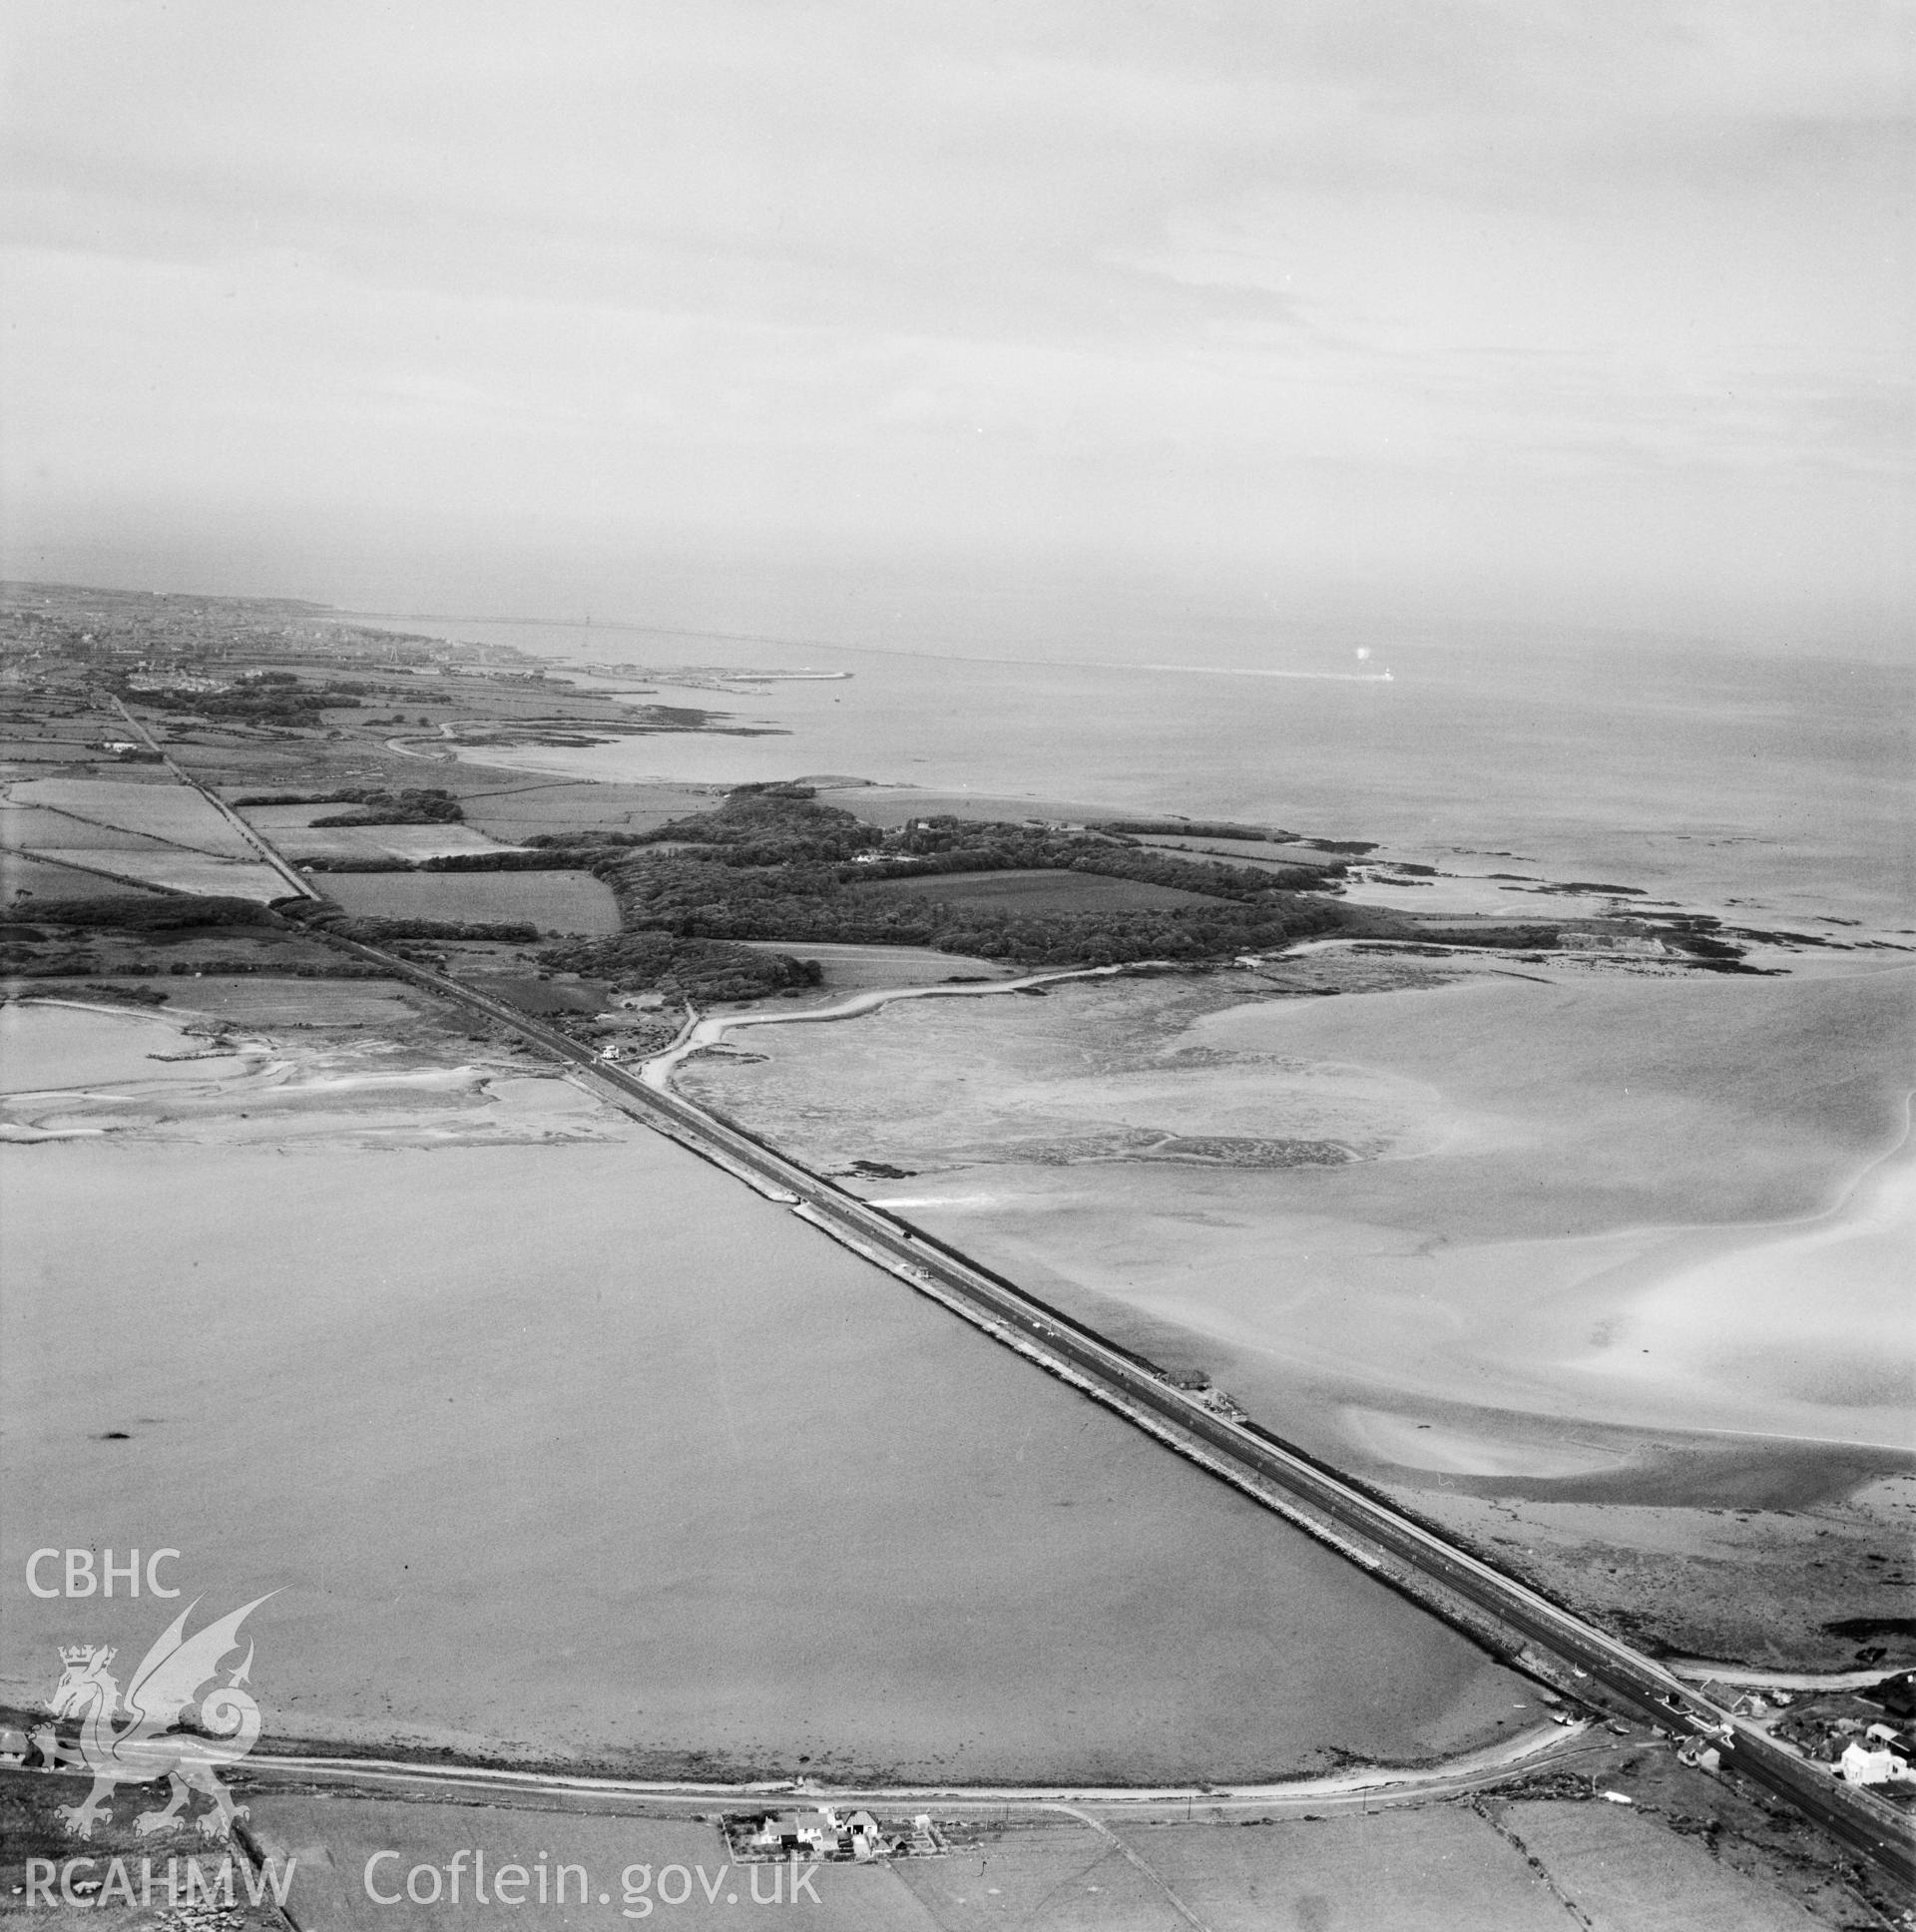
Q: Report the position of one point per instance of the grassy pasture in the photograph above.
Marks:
(382, 841)
(1240, 852)
(552, 901)
(1037, 892)
(275, 819)
(153, 834)
(45, 883)
(191, 872)
(140, 805)
(34, 747)
(568, 805)
(32, 828)
(862, 969)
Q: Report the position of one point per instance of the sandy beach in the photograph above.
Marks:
(1500, 1194)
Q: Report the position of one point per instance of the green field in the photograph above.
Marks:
(27, 879)
(139, 831)
(552, 901)
(861, 969)
(1037, 892)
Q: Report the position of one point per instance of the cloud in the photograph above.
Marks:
(1208, 287)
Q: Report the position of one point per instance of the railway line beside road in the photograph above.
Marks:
(1543, 1637)
(1510, 1617)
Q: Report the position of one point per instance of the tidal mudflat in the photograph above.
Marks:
(1580, 1240)
(558, 1443)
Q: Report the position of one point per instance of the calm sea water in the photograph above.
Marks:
(1753, 785)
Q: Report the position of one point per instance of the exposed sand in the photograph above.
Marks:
(1738, 1314)
(1462, 1452)
(52, 1048)
(1602, 1198)
(1736, 1581)
(73, 1069)
(300, 1005)
(572, 1448)
(1498, 1238)
(1461, 895)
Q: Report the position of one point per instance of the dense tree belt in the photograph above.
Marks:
(425, 806)
(772, 863)
(681, 966)
(421, 805)
(141, 912)
(274, 697)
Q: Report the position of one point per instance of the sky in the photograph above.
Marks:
(831, 313)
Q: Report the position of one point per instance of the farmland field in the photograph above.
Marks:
(1442, 1865)
(1239, 852)
(223, 878)
(552, 901)
(161, 806)
(45, 751)
(1037, 892)
(31, 827)
(278, 818)
(567, 805)
(47, 880)
(860, 969)
(383, 842)
(152, 834)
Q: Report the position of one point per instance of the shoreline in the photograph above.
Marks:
(1632, 1272)
(657, 1072)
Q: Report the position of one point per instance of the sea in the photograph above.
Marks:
(1756, 785)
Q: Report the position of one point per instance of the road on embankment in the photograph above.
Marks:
(1539, 1753)
(1505, 1615)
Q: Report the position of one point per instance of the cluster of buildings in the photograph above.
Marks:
(174, 639)
(175, 681)
(826, 1833)
(1879, 1756)
(1865, 1737)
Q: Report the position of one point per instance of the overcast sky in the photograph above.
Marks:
(1572, 309)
